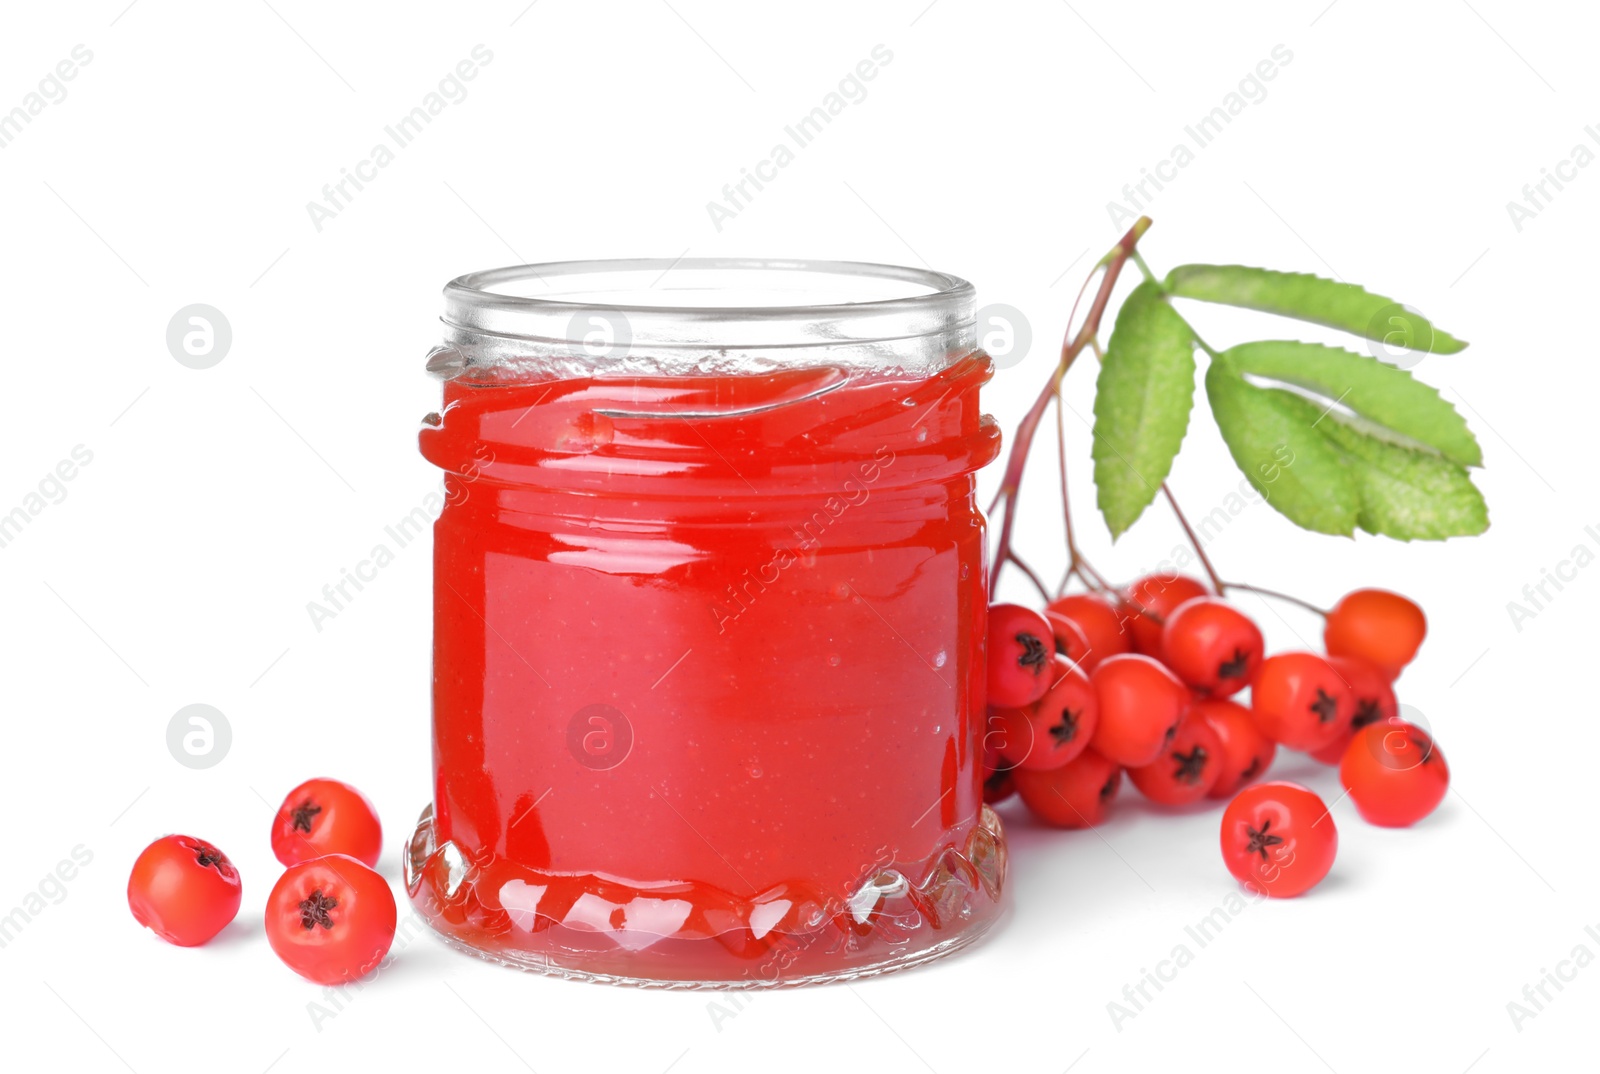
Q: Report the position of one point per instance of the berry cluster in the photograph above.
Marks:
(330, 917)
(1146, 680)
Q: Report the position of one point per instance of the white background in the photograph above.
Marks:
(178, 567)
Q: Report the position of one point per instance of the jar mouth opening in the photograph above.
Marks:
(712, 288)
(732, 314)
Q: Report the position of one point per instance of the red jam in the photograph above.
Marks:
(708, 688)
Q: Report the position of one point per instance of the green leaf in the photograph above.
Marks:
(1381, 393)
(1405, 493)
(1312, 298)
(1273, 438)
(1141, 405)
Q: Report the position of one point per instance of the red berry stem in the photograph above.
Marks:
(1217, 584)
(1031, 575)
(1188, 531)
(1071, 347)
(1077, 564)
(1275, 594)
(1194, 541)
(1087, 336)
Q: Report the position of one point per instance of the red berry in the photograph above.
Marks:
(1141, 703)
(1186, 769)
(1020, 648)
(998, 786)
(325, 816)
(1373, 701)
(1010, 736)
(1071, 641)
(1395, 773)
(184, 890)
(1278, 839)
(997, 782)
(1069, 712)
(1212, 646)
(331, 919)
(1246, 752)
(1378, 626)
(1101, 623)
(1053, 730)
(1299, 700)
(1001, 740)
(1149, 601)
(1076, 795)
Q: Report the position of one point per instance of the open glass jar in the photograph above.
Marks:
(709, 619)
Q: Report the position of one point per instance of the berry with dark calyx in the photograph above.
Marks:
(1395, 773)
(1141, 703)
(1147, 603)
(1373, 701)
(326, 816)
(331, 919)
(1076, 795)
(1212, 646)
(1300, 700)
(1186, 770)
(184, 890)
(1375, 625)
(1010, 735)
(1021, 651)
(996, 771)
(1278, 839)
(1071, 641)
(1051, 731)
(1063, 720)
(1100, 619)
(998, 786)
(1246, 752)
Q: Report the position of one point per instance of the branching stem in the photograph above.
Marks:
(1109, 268)
(1276, 595)
(1072, 345)
(1194, 541)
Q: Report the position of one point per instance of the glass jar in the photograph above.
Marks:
(709, 622)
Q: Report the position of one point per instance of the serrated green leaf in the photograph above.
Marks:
(1381, 393)
(1405, 493)
(1311, 298)
(1141, 405)
(1273, 438)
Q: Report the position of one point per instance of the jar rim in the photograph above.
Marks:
(476, 290)
(869, 314)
